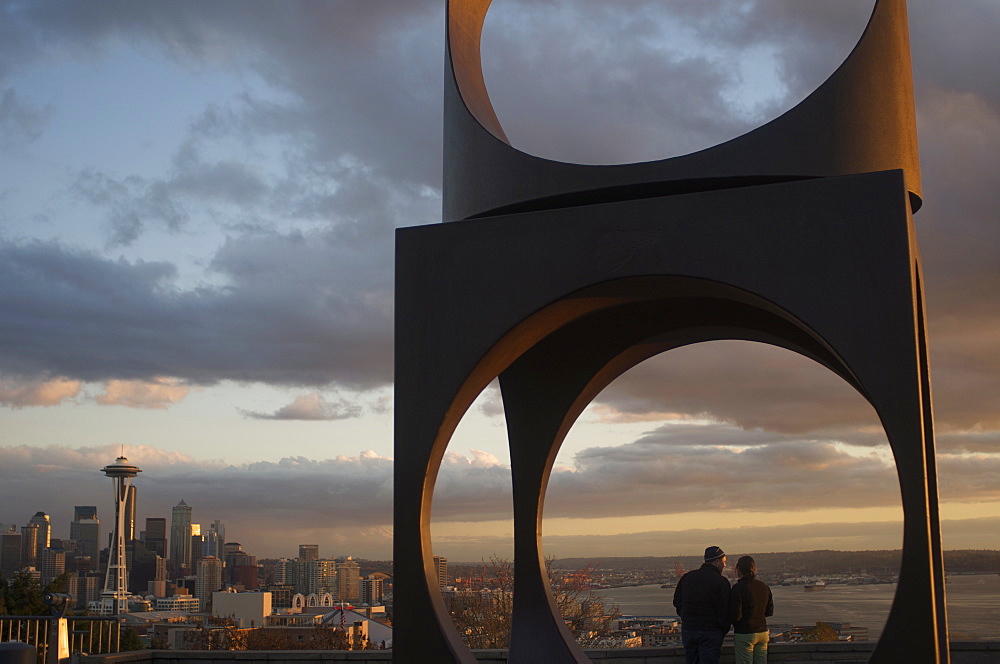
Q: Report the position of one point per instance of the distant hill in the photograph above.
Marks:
(799, 562)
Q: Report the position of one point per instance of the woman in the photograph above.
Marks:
(751, 603)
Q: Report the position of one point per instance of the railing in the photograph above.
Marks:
(837, 652)
(84, 634)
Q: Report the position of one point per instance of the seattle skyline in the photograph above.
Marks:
(196, 216)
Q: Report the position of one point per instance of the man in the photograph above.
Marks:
(702, 602)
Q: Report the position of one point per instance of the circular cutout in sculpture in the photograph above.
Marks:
(737, 444)
(585, 81)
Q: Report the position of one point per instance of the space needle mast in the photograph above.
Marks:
(114, 597)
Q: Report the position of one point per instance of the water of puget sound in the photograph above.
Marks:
(973, 605)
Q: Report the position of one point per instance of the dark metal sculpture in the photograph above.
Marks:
(559, 277)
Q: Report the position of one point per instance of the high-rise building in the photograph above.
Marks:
(372, 590)
(180, 537)
(130, 507)
(114, 597)
(215, 540)
(156, 535)
(322, 575)
(308, 552)
(209, 580)
(52, 564)
(241, 567)
(29, 545)
(348, 580)
(441, 564)
(10, 553)
(85, 589)
(85, 530)
(197, 545)
(245, 573)
(41, 519)
(281, 574)
(297, 575)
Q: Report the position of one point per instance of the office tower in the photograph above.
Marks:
(41, 519)
(348, 578)
(297, 575)
(241, 567)
(372, 590)
(10, 553)
(52, 564)
(197, 546)
(29, 545)
(322, 576)
(215, 540)
(130, 499)
(209, 580)
(85, 589)
(244, 573)
(308, 552)
(80, 565)
(114, 597)
(281, 574)
(156, 535)
(180, 537)
(441, 564)
(156, 588)
(144, 566)
(85, 530)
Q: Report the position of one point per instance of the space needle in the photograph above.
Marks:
(114, 597)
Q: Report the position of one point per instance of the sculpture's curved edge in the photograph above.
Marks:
(861, 119)
(547, 389)
(463, 61)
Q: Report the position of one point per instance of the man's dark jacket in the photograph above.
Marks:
(702, 599)
(751, 603)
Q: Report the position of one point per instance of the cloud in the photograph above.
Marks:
(160, 393)
(38, 392)
(20, 122)
(750, 385)
(280, 322)
(599, 82)
(311, 407)
(346, 501)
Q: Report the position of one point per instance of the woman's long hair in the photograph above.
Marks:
(746, 566)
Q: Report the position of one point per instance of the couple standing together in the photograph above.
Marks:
(708, 605)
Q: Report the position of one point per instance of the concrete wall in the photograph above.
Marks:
(962, 652)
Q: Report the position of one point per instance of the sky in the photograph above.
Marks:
(197, 206)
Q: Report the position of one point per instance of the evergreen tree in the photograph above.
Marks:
(22, 595)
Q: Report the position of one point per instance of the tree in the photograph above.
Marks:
(586, 613)
(223, 634)
(821, 632)
(129, 640)
(483, 615)
(22, 595)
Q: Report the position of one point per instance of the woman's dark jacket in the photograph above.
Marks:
(750, 602)
(702, 599)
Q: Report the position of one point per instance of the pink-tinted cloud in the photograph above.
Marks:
(19, 394)
(159, 393)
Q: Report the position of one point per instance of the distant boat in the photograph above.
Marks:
(819, 585)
